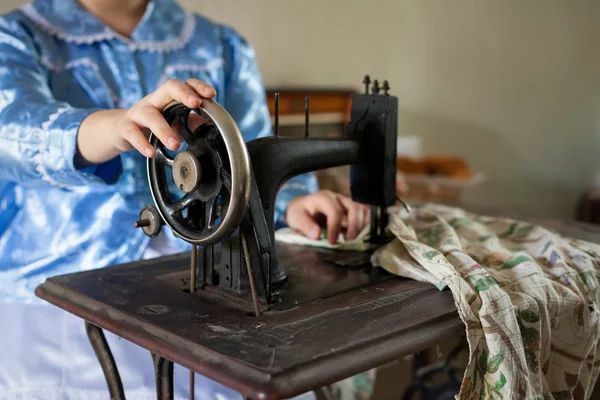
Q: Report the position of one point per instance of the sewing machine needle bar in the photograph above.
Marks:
(250, 274)
(383, 221)
(276, 114)
(193, 265)
(306, 115)
(374, 225)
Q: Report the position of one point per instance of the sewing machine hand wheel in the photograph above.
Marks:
(214, 165)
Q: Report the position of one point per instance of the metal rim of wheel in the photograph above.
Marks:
(212, 177)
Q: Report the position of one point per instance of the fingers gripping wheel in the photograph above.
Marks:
(211, 174)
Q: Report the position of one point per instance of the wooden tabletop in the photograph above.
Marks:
(345, 320)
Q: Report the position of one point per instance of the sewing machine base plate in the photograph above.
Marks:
(333, 322)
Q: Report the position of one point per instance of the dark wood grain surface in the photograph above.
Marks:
(276, 355)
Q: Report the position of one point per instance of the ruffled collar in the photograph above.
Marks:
(165, 26)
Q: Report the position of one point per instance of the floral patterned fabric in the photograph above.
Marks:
(527, 295)
(358, 387)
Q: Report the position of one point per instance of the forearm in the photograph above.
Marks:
(97, 138)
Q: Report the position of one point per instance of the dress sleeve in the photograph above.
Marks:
(245, 99)
(38, 133)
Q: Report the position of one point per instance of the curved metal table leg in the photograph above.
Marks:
(163, 370)
(107, 362)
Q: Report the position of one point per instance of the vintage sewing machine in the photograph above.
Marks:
(266, 319)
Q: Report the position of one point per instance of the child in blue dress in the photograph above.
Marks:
(79, 83)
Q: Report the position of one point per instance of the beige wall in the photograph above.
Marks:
(512, 86)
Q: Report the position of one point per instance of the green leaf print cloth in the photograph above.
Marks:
(528, 298)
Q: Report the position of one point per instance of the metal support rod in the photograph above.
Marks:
(163, 372)
(192, 385)
(250, 274)
(277, 114)
(193, 267)
(141, 223)
(107, 362)
(306, 115)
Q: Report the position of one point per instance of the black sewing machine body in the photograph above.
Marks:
(370, 147)
(268, 319)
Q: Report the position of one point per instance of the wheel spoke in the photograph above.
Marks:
(209, 213)
(219, 209)
(188, 136)
(226, 179)
(182, 203)
(224, 205)
(212, 135)
(163, 157)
